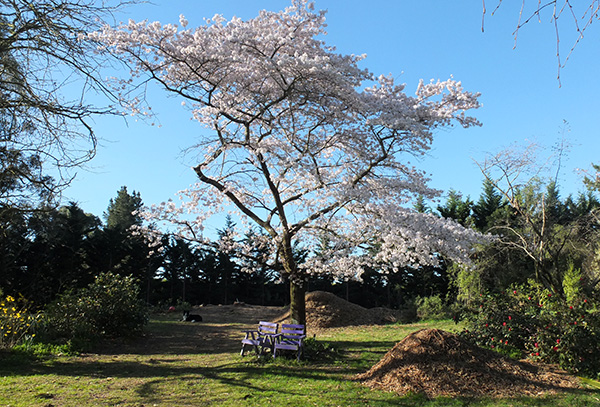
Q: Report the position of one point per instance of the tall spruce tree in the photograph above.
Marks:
(120, 214)
(593, 181)
(554, 206)
(126, 252)
(228, 269)
(14, 241)
(489, 202)
(178, 268)
(421, 206)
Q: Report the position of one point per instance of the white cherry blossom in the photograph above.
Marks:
(302, 142)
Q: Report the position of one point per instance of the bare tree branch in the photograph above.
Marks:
(43, 51)
(586, 17)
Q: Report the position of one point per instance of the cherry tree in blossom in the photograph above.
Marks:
(300, 140)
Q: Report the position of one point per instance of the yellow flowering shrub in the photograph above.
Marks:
(15, 321)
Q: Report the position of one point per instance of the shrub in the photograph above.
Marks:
(16, 322)
(107, 308)
(532, 321)
(318, 351)
(466, 282)
(432, 308)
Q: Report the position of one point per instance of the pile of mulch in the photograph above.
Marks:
(326, 310)
(438, 363)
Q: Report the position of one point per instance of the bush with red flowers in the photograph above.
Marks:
(534, 322)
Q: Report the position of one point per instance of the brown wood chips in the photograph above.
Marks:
(439, 363)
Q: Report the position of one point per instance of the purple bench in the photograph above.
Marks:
(263, 337)
(291, 338)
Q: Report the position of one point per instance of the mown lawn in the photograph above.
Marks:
(149, 375)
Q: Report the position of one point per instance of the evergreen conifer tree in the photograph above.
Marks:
(120, 214)
(489, 202)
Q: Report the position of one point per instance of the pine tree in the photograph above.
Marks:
(126, 252)
(420, 206)
(489, 202)
(555, 210)
(227, 267)
(62, 254)
(121, 213)
(593, 181)
(455, 208)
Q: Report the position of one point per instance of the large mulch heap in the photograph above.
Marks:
(326, 310)
(438, 363)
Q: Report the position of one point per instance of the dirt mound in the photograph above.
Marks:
(439, 363)
(326, 310)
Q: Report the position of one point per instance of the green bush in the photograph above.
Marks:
(534, 322)
(107, 308)
(432, 308)
(318, 351)
(466, 282)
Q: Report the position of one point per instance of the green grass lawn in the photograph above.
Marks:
(150, 375)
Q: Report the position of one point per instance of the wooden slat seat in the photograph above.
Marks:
(290, 338)
(261, 338)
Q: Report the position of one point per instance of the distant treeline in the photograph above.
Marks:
(53, 250)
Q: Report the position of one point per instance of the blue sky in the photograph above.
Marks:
(428, 39)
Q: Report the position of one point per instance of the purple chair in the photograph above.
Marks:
(263, 337)
(291, 338)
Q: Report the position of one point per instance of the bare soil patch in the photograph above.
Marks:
(438, 363)
(220, 331)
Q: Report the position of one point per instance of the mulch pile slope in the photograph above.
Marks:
(326, 310)
(438, 363)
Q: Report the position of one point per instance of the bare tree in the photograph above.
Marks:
(45, 56)
(581, 14)
(538, 229)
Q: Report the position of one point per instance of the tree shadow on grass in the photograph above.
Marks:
(203, 356)
(179, 338)
(154, 375)
(248, 378)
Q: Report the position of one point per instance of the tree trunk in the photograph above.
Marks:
(297, 284)
(297, 302)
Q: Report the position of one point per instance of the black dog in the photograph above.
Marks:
(187, 317)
